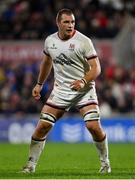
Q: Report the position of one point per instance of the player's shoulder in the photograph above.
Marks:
(51, 37)
(81, 36)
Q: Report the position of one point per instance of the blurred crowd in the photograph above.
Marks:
(16, 83)
(35, 19)
(115, 88)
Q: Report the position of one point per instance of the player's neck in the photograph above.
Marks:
(64, 37)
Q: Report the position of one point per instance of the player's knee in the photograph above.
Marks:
(90, 126)
(42, 129)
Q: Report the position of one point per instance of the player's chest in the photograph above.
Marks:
(58, 48)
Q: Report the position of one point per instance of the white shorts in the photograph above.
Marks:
(66, 101)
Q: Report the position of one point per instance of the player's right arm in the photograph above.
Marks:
(45, 68)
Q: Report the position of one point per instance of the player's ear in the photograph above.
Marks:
(57, 23)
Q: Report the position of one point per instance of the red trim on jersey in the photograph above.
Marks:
(55, 106)
(73, 33)
(66, 39)
(91, 57)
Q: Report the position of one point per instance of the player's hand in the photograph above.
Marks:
(77, 85)
(36, 91)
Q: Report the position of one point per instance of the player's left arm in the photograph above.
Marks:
(94, 71)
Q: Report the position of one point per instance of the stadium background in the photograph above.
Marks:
(23, 28)
(24, 24)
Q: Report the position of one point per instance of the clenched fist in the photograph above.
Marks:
(36, 91)
(78, 84)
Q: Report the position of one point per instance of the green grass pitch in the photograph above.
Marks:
(68, 161)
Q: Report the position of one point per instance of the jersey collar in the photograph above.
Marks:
(66, 39)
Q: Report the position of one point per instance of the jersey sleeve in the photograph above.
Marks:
(45, 50)
(89, 50)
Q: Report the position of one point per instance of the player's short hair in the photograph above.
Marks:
(63, 11)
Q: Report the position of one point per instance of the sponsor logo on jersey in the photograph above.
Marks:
(63, 59)
(53, 46)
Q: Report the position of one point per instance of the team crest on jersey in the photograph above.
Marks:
(71, 47)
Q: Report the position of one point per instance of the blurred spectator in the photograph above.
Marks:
(21, 19)
(115, 88)
(16, 82)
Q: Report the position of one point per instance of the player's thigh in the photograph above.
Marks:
(48, 117)
(56, 112)
(89, 108)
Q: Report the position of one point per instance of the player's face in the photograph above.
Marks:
(66, 26)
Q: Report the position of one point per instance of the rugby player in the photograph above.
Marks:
(76, 66)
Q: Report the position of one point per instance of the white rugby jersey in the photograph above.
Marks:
(69, 59)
